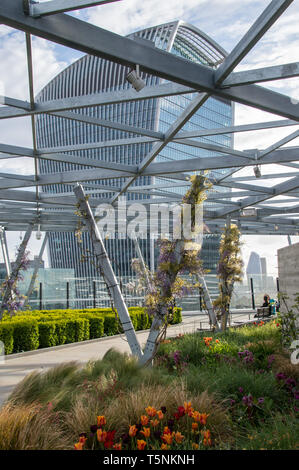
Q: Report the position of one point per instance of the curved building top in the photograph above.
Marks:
(84, 76)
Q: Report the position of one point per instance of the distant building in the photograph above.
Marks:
(254, 264)
(264, 266)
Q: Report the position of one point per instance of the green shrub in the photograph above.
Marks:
(96, 325)
(111, 325)
(6, 336)
(25, 335)
(47, 334)
(61, 326)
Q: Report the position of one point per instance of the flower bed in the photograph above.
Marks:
(228, 390)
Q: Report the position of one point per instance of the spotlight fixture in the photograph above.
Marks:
(134, 78)
(275, 227)
(257, 171)
(248, 212)
(38, 233)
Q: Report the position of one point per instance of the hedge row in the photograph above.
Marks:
(31, 330)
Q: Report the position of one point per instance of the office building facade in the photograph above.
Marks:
(91, 75)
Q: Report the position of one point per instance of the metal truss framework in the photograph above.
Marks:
(277, 205)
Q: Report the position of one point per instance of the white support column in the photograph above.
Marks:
(208, 302)
(107, 271)
(5, 251)
(16, 268)
(36, 267)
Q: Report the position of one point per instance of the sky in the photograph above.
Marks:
(226, 21)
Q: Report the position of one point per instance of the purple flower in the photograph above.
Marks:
(241, 390)
(280, 376)
(261, 400)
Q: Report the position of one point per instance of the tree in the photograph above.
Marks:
(229, 270)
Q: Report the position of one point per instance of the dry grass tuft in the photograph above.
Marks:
(30, 427)
(282, 363)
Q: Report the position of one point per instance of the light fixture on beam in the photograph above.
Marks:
(257, 171)
(38, 233)
(134, 78)
(276, 227)
(249, 212)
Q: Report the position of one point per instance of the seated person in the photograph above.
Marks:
(265, 311)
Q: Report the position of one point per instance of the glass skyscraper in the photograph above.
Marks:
(91, 75)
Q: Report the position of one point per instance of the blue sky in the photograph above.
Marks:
(226, 21)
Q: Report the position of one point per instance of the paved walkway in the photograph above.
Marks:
(16, 367)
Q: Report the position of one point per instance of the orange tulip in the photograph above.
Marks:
(146, 432)
(132, 431)
(141, 444)
(166, 430)
(179, 437)
(101, 435)
(160, 414)
(167, 438)
(117, 446)
(154, 422)
(203, 418)
(194, 426)
(196, 416)
(151, 411)
(101, 420)
(188, 408)
(144, 420)
(165, 447)
(78, 446)
(195, 446)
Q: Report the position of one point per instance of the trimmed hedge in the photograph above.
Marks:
(6, 336)
(35, 329)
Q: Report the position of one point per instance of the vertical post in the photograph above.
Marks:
(252, 293)
(277, 285)
(15, 271)
(108, 273)
(36, 267)
(152, 254)
(5, 251)
(40, 295)
(289, 240)
(67, 295)
(200, 300)
(208, 302)
(94, 290)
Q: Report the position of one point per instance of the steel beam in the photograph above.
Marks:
(53, 7)
(265, 74)
(273, 11)
(101, 43)
(98, 99)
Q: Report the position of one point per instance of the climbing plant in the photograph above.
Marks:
(229, 270)
(15, 301)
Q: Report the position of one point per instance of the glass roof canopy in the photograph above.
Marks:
(274, 195)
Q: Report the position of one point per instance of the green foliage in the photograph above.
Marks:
(6, 336)
(57, 327)
(25, 335)
(277, 433)
(229, 271)
(288, 320)
(47, 334)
